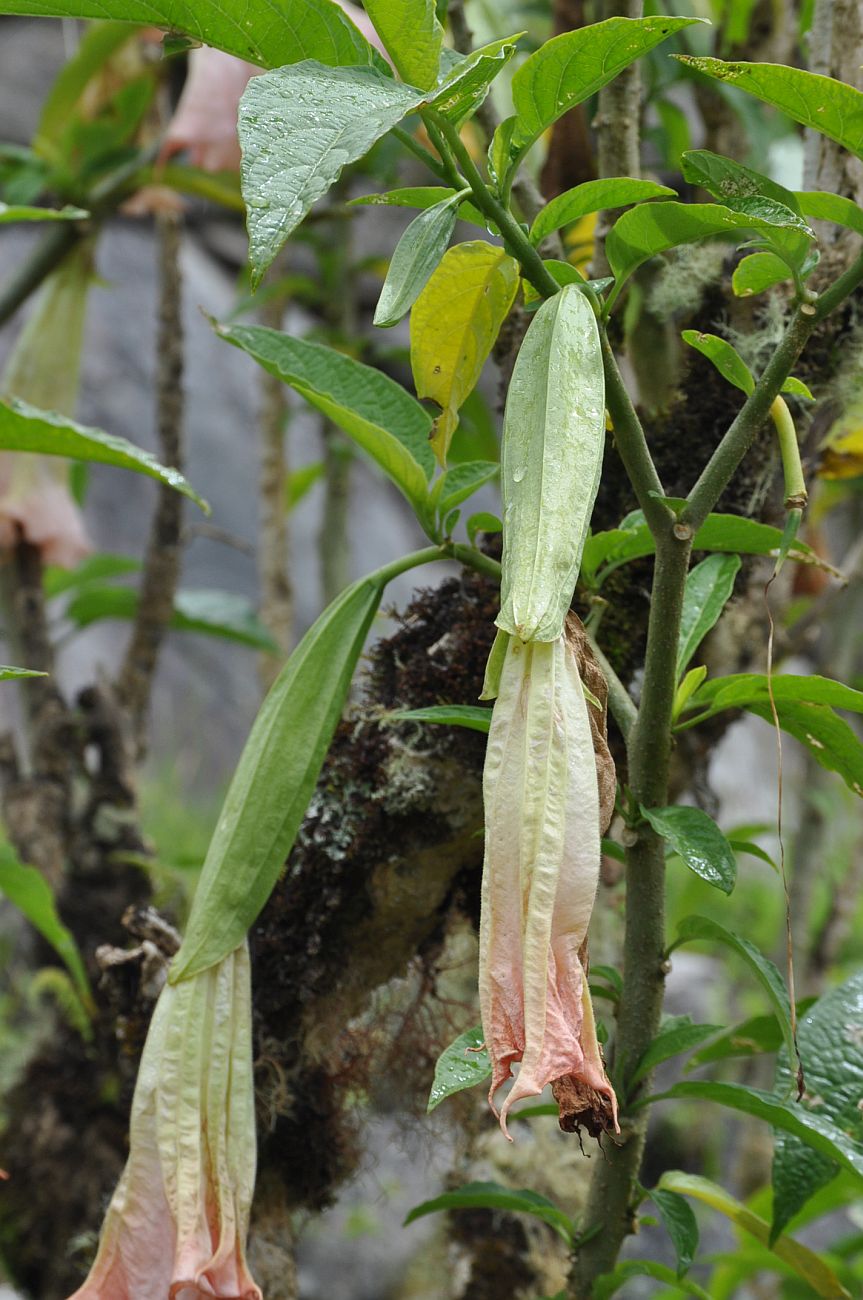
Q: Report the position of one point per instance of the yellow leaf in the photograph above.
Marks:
(454, 324)
(579, 241)
(842, 450)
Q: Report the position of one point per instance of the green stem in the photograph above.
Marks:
(632, 444)
(609, 1215)
(515, 238)
(413, 146)
(466, 555)
(723, 464)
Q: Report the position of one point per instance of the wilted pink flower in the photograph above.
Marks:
(542, 854)
(176, 1226)
(43, 369)
(205, 121)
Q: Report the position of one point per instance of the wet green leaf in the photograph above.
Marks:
(25, 428)
(372, 409)
(697, 839)
(298, 127)
(420, 196)
(463, 480)
(814, 1130)
(415, 257)
(823, 206)
(461, 1065)
(461, 93)
(708, 588)
(830, 1038)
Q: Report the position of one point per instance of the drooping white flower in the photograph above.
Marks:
(177, 1223)
(542, 854)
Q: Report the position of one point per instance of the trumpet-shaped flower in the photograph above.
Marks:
(176, 1226)
(542, 854)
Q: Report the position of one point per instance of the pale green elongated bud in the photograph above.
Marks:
(494, 666)
(43, 369)
(44, 365)
(553, 442)
(542, 853)
(177, 1223)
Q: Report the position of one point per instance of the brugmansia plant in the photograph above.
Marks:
(177, 1223)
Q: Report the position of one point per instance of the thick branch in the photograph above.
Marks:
(162, 559)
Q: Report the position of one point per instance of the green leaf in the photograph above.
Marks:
(462, 92)
(27, 889)
(814, 1130)
(693, 928)
(610, 1283)
(449, 715)
(831, 107)
(463, 480)
(482, 522)
(298, 127)
(652, 228)
(797, 388)
(275, 779)
(606, 551)
(269, 33)
(491, 1196)
(698, 841)
(830, 1039)
(300, 481)
(454, 325)
(823, 206)
(592, 196)
(562, 272)
(412, 36)
(25, 428)
(420, 196)
(461, 1065)
(805, 706)
(724, 357)
(757, 272)
(570, 68)
(687, 688)
(752, 1037)
(95, 568)
(680, 1224)
(732, 183)
(21, 212)
(708, 588)
(9, 674)
(805, 1263)
(367, 405)
(416, 255)
(676, 1034)
(214, 613)
(95, 47)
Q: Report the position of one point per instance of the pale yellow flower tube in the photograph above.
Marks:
(542, 853)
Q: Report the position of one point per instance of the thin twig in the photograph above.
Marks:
(620, 702)
(164, 548)
(277, 597)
